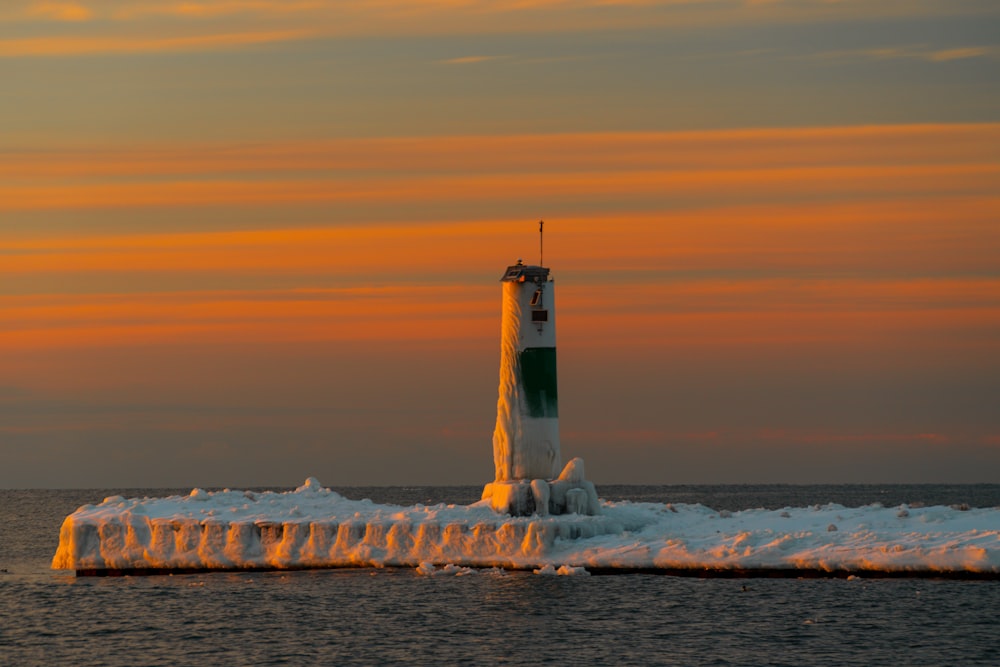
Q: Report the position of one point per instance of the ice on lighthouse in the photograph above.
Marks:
(526, 451)
(526, 438)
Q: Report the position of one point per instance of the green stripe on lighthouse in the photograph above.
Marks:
(538, 380)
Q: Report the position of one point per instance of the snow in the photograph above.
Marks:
(316, 527)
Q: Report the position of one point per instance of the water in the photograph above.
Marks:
(365, 617)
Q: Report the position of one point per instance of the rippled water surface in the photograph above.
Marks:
(363, 617)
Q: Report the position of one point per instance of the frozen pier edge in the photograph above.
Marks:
(314, 527)
(311, 527)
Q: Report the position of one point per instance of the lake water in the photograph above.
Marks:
(367, 617)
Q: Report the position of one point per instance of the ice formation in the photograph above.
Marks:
(526, 439)
(316, 527)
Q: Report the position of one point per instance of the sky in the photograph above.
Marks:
(243, 242)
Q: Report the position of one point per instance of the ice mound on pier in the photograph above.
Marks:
(316, 527)
(570, 493)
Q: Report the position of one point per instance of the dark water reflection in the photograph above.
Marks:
(396, 616)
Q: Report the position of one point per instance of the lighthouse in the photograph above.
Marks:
(526, 438)
(526, 454)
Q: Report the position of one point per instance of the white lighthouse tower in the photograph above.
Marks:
(526, 439)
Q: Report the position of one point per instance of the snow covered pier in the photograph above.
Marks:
(311, 527)
(314, 527)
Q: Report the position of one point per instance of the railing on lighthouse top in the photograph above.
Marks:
(520, 273)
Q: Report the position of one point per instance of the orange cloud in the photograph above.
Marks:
(84, 45)
(713, 314)
(909, 53)
(840, 238)
(61, 11)
(961, 54)
(859, 240)
(807, 181)
(470, 60)
(843, 237)
(646, 151)
(362, 314)
(181, 25)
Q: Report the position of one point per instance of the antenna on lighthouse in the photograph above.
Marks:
(541, 243)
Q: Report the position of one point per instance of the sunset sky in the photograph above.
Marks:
(247, 241)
